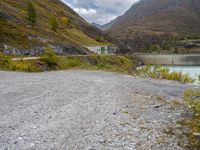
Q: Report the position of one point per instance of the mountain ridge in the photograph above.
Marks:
(153, 13)
(150, 22)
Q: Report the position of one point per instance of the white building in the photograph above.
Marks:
(103, 49)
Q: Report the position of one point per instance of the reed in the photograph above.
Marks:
(159, 72)
(192, 98)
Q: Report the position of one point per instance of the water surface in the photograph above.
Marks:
(193, 71)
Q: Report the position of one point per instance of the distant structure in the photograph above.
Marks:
(103, 49)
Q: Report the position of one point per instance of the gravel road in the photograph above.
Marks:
(89, 110)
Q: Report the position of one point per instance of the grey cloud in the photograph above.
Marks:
(100, 11)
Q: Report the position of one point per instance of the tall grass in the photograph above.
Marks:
(192, 98)
(199, 78)
(6, 63)
(50, 61)
(125, 64)
(159, 72)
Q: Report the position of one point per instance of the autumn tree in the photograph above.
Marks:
(65, 21)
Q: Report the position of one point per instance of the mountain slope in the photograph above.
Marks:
(105, 26)
(16, 31)
(174, 16)
(152, 19)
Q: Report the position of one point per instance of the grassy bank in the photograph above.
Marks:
(192, 98)
(49, 62)
(114, 63)
(158, 72)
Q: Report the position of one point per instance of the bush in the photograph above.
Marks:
(199, 78)
(176, 50)
(165, 45)
(1, 26)
(50, 58)
(5, 61)
(53, 22)
(32, 15)
(153, 48)
(99, 39)
(65, 21)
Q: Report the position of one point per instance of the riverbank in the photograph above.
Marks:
(90, 110)
(169, 59)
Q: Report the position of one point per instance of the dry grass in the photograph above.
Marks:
(159, 72)
(50, 61)
(16, 30)
(192, 97)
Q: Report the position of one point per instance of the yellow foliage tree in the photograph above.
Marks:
(65, 21)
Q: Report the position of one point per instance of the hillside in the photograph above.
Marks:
(151, 20)
(105, 26)
(19, 35)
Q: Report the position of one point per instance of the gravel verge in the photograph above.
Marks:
(90, 110)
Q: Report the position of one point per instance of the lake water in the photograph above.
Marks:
(193, 71)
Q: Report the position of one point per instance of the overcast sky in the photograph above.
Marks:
(100, 11)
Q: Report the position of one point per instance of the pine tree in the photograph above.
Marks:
(1, 27)
(53, 22)
(32, 15)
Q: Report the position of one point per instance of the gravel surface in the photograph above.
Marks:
(85, 110)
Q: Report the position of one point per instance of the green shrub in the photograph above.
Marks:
(176, 50)
(5, 61)
(32, 15)
(53, 22)
(1, 26)
(99, 39)
(199, 78)
(153, 47)
(50, 58)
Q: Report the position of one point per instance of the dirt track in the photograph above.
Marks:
(85, 110)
